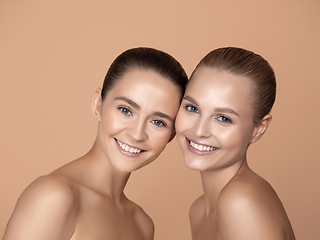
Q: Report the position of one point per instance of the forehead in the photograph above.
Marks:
(146, 87)
(144, 78)
(220, 88)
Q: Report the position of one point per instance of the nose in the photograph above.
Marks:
(137, 130)
(202, 128)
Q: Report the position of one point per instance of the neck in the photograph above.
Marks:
(103, 177)
(213, 182)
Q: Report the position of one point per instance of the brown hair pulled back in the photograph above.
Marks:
(145, 58)
(246, 63)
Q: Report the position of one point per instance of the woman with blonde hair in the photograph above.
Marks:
(226, 107)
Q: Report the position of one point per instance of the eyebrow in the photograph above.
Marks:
(190, 99)
(163, 115)
(219, 109)
(226, 110)
(129, 101)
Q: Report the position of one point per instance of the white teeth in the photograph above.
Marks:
(201, 147)
(127, 148)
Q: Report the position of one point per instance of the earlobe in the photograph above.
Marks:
(96, 103)
(261, 128)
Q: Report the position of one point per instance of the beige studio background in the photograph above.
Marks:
(54, 54)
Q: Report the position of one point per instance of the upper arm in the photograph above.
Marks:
(248, 213)
(196, 213)
(149, 228)
(145, 223)
(45, 210)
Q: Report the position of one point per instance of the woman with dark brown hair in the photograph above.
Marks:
(84, 199)
(226, 107)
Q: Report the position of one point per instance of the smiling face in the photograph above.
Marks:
(215, 124)
(136, 119)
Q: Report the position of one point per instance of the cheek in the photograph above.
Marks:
(236, 138)
(159, 140)
(112, 122)
(181, 122)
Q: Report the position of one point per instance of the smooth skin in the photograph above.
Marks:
(214, 128)
(84, 199)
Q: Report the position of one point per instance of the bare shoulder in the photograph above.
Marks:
(248, 187)
(249, 208)
(47, 207)
(144, 221)
(197, 210)
(55, 188)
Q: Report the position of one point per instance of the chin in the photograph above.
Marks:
(128, 168)
(195, 165)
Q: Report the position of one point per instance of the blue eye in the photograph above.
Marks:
(158, 123)
(191, 108)
(125, 111)
(224, 119)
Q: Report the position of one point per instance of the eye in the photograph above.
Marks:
(191, 108)
(159, 123)
(224, 119)
(125, 110)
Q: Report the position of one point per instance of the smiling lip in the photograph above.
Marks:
(128, 150)
(200, 149)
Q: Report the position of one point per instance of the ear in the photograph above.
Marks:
(261, 128)
(96, 104)
(172, 136)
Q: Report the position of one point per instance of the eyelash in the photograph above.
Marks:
(162, 124)
(127, 112)
(223, 119)
(191, 108)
